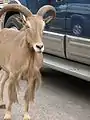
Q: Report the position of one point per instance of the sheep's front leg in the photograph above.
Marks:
(29, 97)
(12, 95)
(8, 111)
(4, 77)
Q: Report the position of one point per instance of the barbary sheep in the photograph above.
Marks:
(21, 54)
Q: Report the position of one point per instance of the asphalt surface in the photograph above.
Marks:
(61, 97)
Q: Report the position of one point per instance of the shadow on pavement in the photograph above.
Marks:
(70, 84)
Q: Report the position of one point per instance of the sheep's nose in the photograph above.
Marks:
(39, 46)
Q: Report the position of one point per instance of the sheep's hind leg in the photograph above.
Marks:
(3, 77)
(29, 97)
(26, 114)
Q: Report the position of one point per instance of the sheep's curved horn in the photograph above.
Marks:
(45, 9)
(16, 7)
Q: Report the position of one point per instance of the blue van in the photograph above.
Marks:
(72, 17)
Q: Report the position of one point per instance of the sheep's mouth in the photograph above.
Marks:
(39, 52)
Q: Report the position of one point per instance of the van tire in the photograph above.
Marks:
(14, 21)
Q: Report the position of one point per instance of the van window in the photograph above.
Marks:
(79, 1)
(72, 18)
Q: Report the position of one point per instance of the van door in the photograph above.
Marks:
(78, 48)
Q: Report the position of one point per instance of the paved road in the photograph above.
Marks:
(61, 97)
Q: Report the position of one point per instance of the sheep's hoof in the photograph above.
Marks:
(2, 105)
(26, 117)
(7, 116)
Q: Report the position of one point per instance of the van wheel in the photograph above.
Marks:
(77, 28)
(14, 21)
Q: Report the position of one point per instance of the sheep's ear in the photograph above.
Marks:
(28, 24)
(48, 19)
